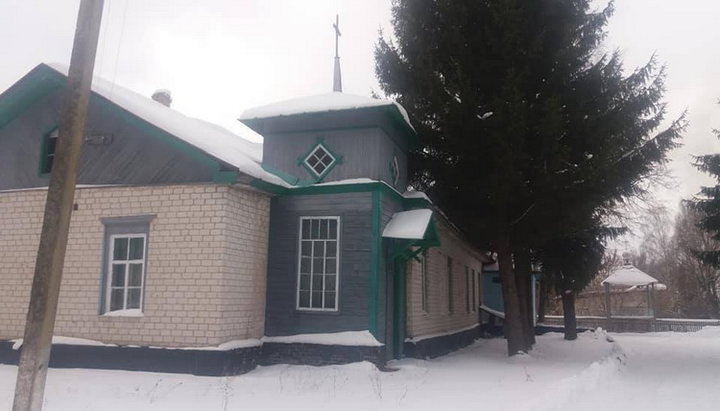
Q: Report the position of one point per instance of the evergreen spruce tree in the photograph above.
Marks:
(527, 130)
(708, 204)
(571, 263)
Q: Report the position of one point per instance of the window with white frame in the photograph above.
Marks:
(319, 263)
(126, 272)
(319, 160)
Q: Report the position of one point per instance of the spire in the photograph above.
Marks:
(337, 78)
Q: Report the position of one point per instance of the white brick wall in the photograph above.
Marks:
(438, 319)
(205, 281)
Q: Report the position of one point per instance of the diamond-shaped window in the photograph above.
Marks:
(395, 171)
(319, 160)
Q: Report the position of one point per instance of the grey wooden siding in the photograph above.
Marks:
(355, 211)
(366, 153)
(133, 157)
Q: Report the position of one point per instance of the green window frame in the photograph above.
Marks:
(47, 151)
(451, 308)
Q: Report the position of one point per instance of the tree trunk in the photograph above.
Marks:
(523, 273)
(568, 303)
(513, 323)
(542, 300)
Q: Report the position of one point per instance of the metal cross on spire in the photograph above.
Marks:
(337, 78)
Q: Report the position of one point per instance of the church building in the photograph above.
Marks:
(195, 250)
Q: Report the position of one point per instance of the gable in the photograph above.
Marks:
(173, 147)
(134, 154)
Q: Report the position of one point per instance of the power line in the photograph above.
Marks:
(117, 54)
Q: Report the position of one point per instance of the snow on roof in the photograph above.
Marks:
(210, 138)
(629, 275)
(657, 287)
(417, 194)
(409, 225)
(334, 101)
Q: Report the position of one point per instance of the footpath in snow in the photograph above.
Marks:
(662, 371)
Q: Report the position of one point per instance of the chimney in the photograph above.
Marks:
(163, 97)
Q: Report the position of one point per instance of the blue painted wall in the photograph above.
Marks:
(492, 290)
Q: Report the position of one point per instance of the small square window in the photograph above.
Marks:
(47, 156)
(319, 160)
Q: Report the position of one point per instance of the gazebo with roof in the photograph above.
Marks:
(630, 276)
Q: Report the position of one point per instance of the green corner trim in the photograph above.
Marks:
(268, 187)
(376, 243)
(373, 186)
(37, 84)
(400, 307)
(286, 177)
(225, 177)
(408, 203)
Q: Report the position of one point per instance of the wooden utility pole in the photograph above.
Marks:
(40, 323)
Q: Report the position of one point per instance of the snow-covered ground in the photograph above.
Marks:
(661, 371)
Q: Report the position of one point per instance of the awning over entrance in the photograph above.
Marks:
(415, 231)
(408, 225)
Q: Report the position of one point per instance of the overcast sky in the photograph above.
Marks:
(219, 57)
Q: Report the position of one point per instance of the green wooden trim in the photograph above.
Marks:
(219, 175)
(225, 177)
(375, 246)
(156, 132)
(390, 110)
(357, 188)
(399, 307)
(37, 84)
(408, 203)
(431, 238)
(286, 177)
(268, 187)
(42, 161)
(44, 80)
(413, 203)
(399, 120)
